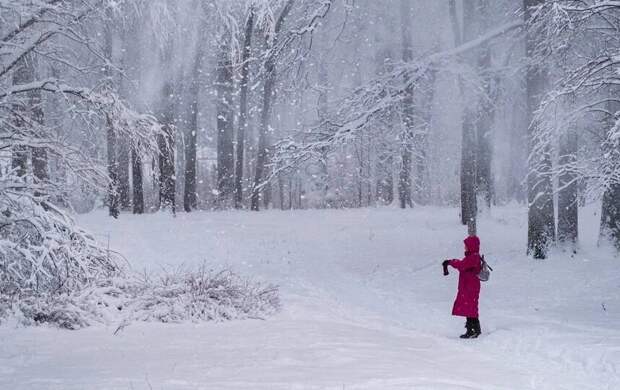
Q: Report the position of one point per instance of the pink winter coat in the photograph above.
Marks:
(466, 303)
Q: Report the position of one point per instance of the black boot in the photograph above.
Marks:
(477, 330)
(470, 326)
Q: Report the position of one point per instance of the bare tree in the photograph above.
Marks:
(404, 177)
(111, 137)
(190, 198)
(225, 124)
(541, 219)
(269, 69)
(243, 108)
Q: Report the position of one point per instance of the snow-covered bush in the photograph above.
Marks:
(42, 251)
(182, 295)
(200, 295)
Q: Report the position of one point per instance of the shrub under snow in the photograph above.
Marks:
(51, 271)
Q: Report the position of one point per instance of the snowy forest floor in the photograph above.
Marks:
(365, 306)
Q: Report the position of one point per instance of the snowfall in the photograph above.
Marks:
(365, 305)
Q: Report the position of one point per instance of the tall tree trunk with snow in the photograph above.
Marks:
(111, 138)
(243, 109)
(113, 198)
(167, 178)
(225, 128)
(404, 178)
(31, 109)
(261, 157)
(190, 197)
(124, 149)
(469, 139)
(23, 74)
(269, 68)
(421, 175)
(610, 215)
(136, 178)
(321, 178)
(541, 219)
(610, 212)
(486, 113)
(568, 199)
(124, 190)
(39, 154)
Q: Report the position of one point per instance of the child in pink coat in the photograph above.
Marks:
(466, 303)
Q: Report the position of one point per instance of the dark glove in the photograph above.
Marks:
(445, 267)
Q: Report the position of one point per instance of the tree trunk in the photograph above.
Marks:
(123, 176)
(610, 212)
(268, 91)
(113, 198)
(421, 175)
(243, 110)
(167, 179)
(138, 190)
(263, 134)
(320, 178)
(404, 179)
(190, 198)
(568, 199)
(225, 128)
(469, 206)
(610, 215)
(111, 137)
(469, 137)
(541, 219)
(23, 74)
(486, 115)
(39, 155)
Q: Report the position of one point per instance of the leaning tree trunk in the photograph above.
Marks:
(541, 219)
(404, 177)
(568, 198)
(243, 110)
(225, 129)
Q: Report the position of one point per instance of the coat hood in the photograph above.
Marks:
(472, 244)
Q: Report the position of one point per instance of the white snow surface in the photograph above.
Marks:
(365, 306)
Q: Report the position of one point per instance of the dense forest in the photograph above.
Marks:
(308, 169)
(140, 106)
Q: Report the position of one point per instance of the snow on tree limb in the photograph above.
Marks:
(369, 102)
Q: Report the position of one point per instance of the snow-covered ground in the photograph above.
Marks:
(365, 306)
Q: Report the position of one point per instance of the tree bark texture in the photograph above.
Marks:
(268, 94)
(541, 218)
(407, 135)
(225, 128)
(243, 109)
